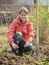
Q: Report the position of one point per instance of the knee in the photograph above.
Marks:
(30, 47)
(18, 35)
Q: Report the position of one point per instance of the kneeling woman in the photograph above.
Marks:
(21, 33)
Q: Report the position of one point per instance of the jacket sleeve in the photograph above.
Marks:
(31, 33)
(11, 32)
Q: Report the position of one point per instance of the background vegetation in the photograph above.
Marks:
(43, 19)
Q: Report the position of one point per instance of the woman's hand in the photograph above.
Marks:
(15, 46)
(26, 44)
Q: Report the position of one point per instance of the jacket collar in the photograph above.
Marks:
(19, 21)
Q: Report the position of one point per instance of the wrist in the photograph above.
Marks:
(27, 42)
(12, 43)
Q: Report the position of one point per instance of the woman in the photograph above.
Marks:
(21, 33)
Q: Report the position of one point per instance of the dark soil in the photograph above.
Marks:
(8, 58)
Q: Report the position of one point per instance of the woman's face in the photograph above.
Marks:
(23, 16)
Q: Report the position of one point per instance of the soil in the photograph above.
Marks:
(8, 58)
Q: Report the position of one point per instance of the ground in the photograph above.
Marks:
(8, 58)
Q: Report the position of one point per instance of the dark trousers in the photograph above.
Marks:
(21, 46)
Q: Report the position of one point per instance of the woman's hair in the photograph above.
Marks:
(23, 9)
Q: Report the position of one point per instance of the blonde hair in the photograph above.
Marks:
(23, 9)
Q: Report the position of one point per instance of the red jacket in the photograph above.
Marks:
(26, 29)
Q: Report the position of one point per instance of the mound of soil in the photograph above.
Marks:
(8, 58)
